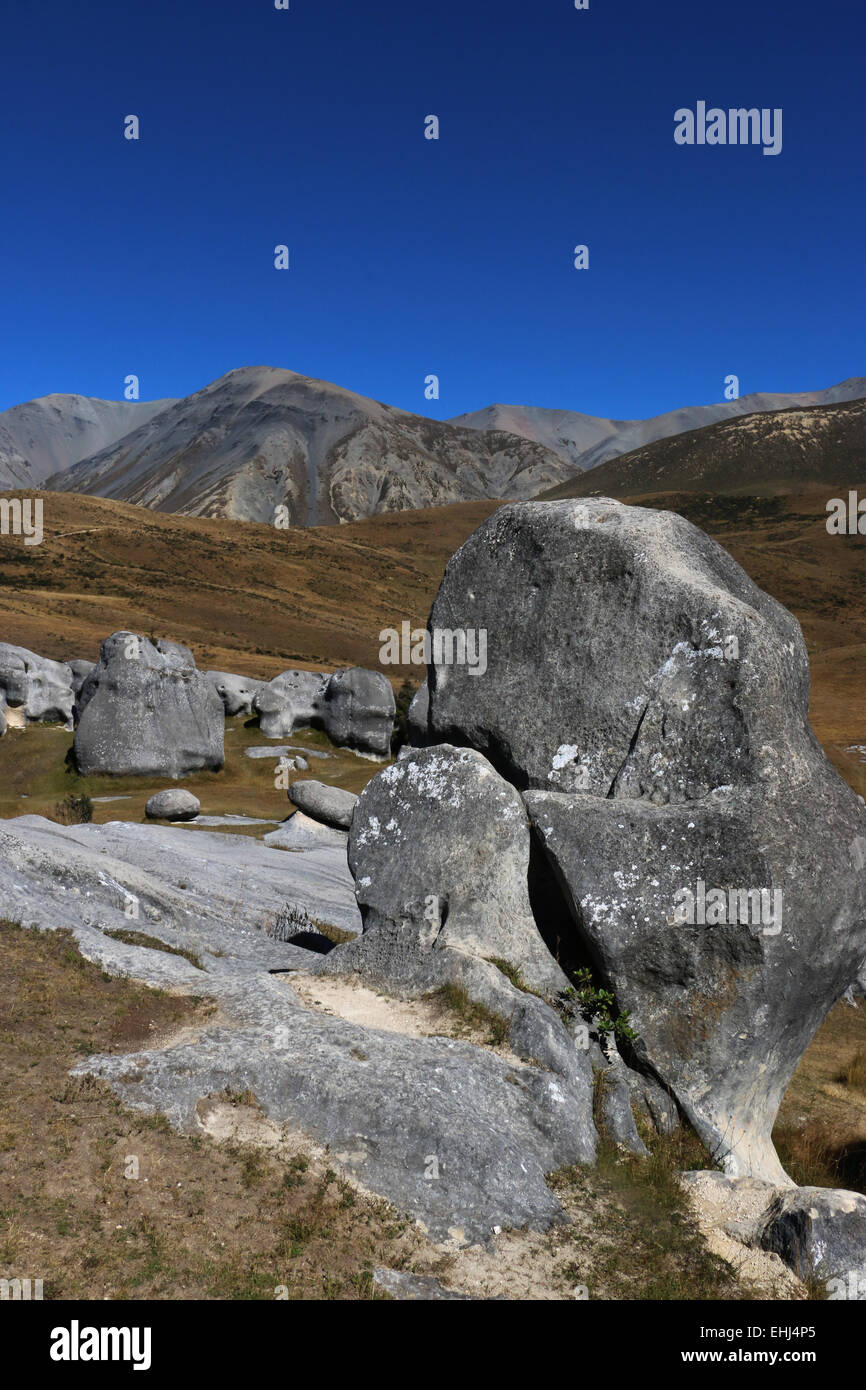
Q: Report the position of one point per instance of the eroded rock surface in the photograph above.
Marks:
(236, 692)
(37, 689)
(290, 701)
(652, 703)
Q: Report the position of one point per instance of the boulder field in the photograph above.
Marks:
(622, 842)
(145, 709)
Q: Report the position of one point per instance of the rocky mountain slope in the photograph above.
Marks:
(260, 438)
(758, 454)
(48, 435)
(566, 432)
(587, 441)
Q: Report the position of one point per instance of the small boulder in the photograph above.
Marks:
(331, 805)
(173, 804)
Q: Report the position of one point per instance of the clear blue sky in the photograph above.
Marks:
(411, 256)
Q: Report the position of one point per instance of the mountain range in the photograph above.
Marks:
(586, 441)
(50, 434)
(260, 438)
(761, 454)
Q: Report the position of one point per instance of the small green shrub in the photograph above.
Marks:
(597, 1006)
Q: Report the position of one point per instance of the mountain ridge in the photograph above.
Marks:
(565, 432)
(259, 438)
(763, 453)
(47, 435)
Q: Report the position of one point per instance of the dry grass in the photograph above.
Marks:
(469, 1015)
(821, 1130)
(254, 600)
(204, 1219)
(645, 1243)
(153, 943)
(35, 775)
(854, 1074)
(245, 597)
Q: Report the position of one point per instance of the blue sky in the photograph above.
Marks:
(411, 257)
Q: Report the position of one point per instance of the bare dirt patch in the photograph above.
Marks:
(426, 1017)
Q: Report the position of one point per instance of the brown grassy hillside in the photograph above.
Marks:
(245, 596)
(253, 599)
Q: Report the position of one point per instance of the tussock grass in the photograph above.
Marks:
(471, 1015)
(818, 1157)
(644, 1241)
(854, 1074)
(140, 938)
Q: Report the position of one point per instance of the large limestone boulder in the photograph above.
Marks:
(37, 687)
(652, 704)
(289, 702)
(236, 692)
(141, 711)
(358, 709)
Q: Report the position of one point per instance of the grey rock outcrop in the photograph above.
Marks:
(174, 804)
(383, 1102)
(175, 653)
(40, 689)
(236, 692)
(80, 669)
(816, 1233)
(357, 710)
(417, 717)
(416, 1288)
(439, 849)
(652, 703)
(331, 805)
(302, 832)
(289, 702)
(355, 707)
(821, 1232)
(141, 711)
